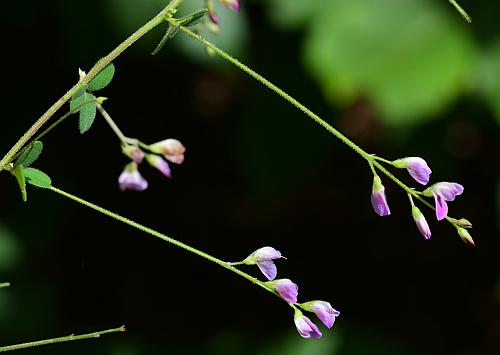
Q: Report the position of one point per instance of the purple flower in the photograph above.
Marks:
(323, 310)
(421, 223)
(264, 257)
(158, 163)
(171, 149)
(305, 327)
(131, 179)
(134, 153)
(379, 201)
(417, 167)
(286, 289)
(442, 192)
(232, 4)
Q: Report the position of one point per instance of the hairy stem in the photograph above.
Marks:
(155, 21)
(164, 237)
(369, 157)
(462, 12)
(124, 139)
(61, 340)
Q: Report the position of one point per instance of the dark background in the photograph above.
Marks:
(257, 172)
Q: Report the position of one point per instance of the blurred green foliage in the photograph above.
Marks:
(411, 58)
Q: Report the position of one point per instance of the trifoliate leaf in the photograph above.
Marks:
(102, 79)
(192, 19)
(37, 178)
(31, 154)
(87, 113)
(18, 172)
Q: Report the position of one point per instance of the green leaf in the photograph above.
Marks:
(102, 79)
(171, 31)
(19, 174)
(37, 178)
(87, 113)
(31, 154)
(79, 92)
(192, 19)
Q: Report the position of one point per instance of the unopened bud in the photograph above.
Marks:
(134, 153)
(99, 100)
(466, 237)
(464, 223)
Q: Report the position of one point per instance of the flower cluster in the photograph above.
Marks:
(442, 192)
(288, 291)
(168, 149)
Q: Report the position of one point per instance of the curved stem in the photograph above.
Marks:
(164, 237)
(369, 157)
(155, 21)
(61, 340)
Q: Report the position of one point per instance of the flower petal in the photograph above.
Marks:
(268, 268)
(441, 207)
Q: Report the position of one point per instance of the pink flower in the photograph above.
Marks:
(131, 179)
(232, 4)
(417, 167)
(171, 149)
(158, 163)
(212, 14)
(379, 201)
(323, 310)
(134, 153)
(305, 327)
(421, 223)
(286, 289)
(264, 257)
(442, 192)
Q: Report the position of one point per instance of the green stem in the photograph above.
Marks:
(4, 284)
(382, 159)
(369, 157)
(124, 139)
(155, 21)
(165, 238)
(61, 340)
(52, 126)
(462, 12)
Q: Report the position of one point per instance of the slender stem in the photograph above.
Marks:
(61, 340)
(155, 21)
(462, 12)
(52, 126)
(274, 88)
(4, 284)
(369, 157)
(112, 124)
(164, 237)
(382, 159)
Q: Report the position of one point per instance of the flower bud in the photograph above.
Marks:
(286, 289)
(171, 149)
(231, 4)
(464, 223)
(323, 310)
(465, 236)
(157, 162)
(417, 167)
(305, 327)
(421, 223)
(264, 257)
(131, 179)
(379, 201)
(212, 14)
(133, 152)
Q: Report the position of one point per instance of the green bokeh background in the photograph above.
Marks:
(399, 77)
